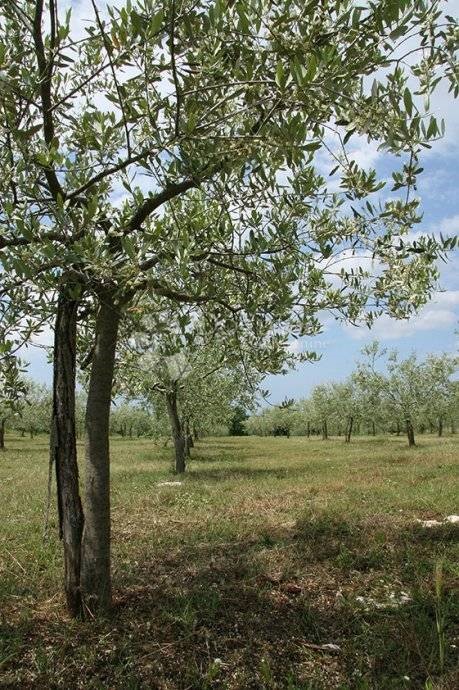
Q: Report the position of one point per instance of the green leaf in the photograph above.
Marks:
(408, 101)
(156, 22)
(280, 75)
(312, 69)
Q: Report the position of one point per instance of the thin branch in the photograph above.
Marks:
(45, 69)
(174, 71)
(108, 50)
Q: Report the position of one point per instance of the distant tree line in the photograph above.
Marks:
(384, 394)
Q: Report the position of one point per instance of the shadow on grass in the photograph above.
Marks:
(235, 473)
(253, 613)
(215, 458)
(196, 474)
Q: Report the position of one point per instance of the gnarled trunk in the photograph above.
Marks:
(324, 430)
(95, 566)
(178, 434)
(63, 451)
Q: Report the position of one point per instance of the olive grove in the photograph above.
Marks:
(176, 151)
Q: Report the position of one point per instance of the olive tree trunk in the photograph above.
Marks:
(349, 429)
(324, 430)
(63, 452)
(410, 433)
(178, 434)
(2, 434)
(95, 566)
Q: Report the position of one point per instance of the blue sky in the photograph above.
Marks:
(433, 330)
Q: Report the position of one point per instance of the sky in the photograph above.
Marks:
(432, 330)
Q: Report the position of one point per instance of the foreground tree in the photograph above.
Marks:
(230, 99)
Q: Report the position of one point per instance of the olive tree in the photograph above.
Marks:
(407, 387)
(441, 403)
(13, 390)
(220, 112)
(35, 412)
(194, 375)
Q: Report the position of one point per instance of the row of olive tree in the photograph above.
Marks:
(26, 405)
(385, 394)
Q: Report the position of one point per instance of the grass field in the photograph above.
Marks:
(270, 550)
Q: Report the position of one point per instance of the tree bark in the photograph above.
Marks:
(95, 567)
(349, 429)
(373, 429)
(410, 433)
(177, 432)
(324, 430)
(2, 434)
(63, 451)
(308, 430)
(440, 426)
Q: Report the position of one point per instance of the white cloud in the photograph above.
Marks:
(440, 314)
(365, 154)
(449, 226)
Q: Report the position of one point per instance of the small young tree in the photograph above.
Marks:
(323, 404)
(13, 390)
(347, 407)
(236, 426)
(439, 406)
(35, 413)
(197, 383)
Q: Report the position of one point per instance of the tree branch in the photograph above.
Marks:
(108, 50)
(45, 69)
(152, 203)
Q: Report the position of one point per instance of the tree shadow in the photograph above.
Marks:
(253, 612)
(216, 458)
(239, 473)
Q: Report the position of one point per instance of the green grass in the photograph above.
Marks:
(269, 549)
